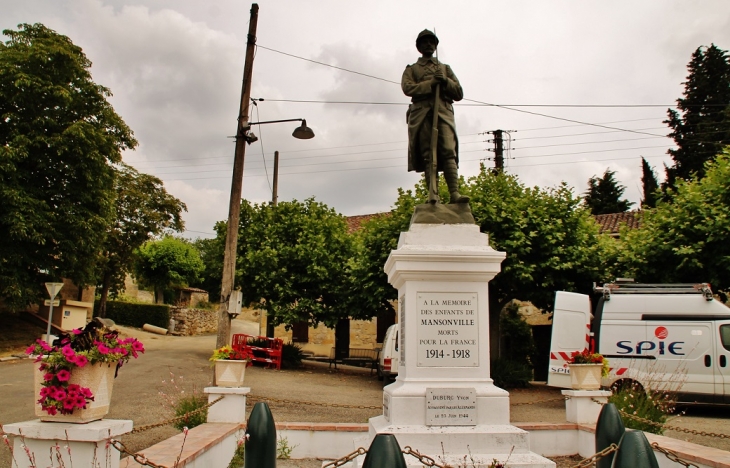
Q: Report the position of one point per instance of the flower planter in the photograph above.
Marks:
(99, 378)
(585, 376)
(229, 373)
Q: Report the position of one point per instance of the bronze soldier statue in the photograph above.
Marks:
(433, 88)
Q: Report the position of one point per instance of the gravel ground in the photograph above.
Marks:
(172, 365)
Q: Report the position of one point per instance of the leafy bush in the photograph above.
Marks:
(291, 356)
(187, 404)
(653, 405)
(508, 373)
(174, 395)
(137, 314)
(514, 366)
(238, 456)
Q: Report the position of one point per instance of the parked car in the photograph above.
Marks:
(389, 356)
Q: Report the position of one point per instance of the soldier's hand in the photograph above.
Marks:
(439, 76)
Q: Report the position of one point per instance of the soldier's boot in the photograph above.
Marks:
(451, 174)
(433, 196)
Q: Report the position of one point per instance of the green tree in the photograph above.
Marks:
(371, 293)
(143, 209)
(686, 240)
(703, 127)
(649, 184)
(211, 252)
(167, 263)
(552, 242)
(293, 261)
(59, 137)
(604, 195)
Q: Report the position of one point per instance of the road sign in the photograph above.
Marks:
(47, 302)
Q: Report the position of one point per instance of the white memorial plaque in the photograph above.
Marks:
(448, 332)
(451, 407)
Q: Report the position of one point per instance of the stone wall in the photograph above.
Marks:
(194, 321)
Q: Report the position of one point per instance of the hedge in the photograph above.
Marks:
(135, 314)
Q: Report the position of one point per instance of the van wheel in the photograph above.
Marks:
(626, 384)
(379, 374)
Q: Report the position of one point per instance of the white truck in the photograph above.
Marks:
(662, 336)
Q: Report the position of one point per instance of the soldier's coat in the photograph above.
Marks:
(415, 83)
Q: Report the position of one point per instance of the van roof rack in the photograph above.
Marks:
(627, 287)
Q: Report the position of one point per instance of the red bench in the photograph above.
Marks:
(266, 350)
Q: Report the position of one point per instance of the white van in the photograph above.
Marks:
(667, 336)
(389, 356)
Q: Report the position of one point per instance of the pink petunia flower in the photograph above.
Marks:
(138, 346)
(69, 404)
(60, 394)
(63, 375)
(77, 331)
(45, 391)
(68, 352)
(86, 391)
(81, 360)
(44, 345)
(50, 410)
(48, 377)
(103, 349)
(30, 349)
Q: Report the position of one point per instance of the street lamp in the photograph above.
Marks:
(229, 297)
(302, 132)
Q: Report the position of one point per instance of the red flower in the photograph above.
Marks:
(63, 375)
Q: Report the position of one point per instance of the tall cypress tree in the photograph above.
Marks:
(604, 195)
(649, 184)
(703, 127)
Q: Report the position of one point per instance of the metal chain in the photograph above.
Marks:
(427, 461)
(674, 428)
(548, 400)
(671, 455)
(668, 427)
(311, 403)
(347, 458)
(176, 419)
(138, 457)
(590, 461)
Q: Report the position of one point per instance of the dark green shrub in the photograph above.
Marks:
(187, 404)
(514, 366)
(137, 314)
(291, 356)
(653, 405)
(508, 373)
(238, 456)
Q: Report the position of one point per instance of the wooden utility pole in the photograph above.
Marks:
(275, 191)
(234, 207)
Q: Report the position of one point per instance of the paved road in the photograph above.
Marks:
(185, 359)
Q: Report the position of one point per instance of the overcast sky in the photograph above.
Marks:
(584, 86)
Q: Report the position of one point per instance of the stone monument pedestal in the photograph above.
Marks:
(444, 403)
(67, 444)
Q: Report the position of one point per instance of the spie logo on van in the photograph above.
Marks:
(644, 347)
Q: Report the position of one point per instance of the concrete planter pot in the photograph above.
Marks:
(585, 376)
(230, 373)
(99, 378)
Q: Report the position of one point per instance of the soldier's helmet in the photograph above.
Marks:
(426, 33)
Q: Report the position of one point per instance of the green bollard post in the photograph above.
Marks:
(609, 430)
(260, 438)
(634, 451)
(384, 452)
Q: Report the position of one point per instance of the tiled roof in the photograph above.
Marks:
(610, 223)
(354, 223)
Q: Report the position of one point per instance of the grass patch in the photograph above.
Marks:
(17, 334)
